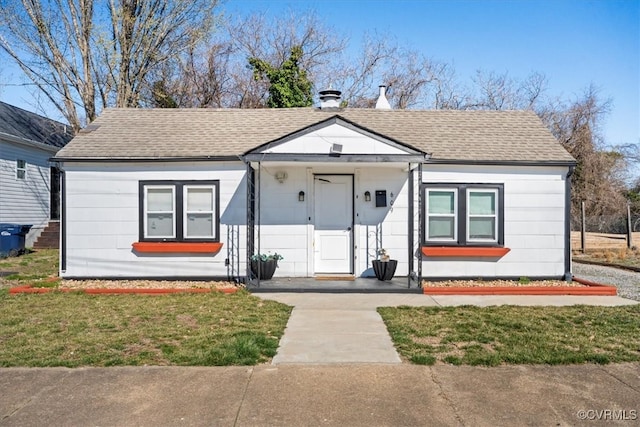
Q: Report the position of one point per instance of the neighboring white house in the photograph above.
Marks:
(27, 142)
(177, 193)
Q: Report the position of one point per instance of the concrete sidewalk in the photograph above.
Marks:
(335, 395)
(346, 328)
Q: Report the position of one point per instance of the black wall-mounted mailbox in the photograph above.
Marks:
(381, 198)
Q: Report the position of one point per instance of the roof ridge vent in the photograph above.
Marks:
(382, 103)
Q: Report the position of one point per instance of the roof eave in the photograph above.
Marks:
(72, 159)
(28, 142)
(503, 162)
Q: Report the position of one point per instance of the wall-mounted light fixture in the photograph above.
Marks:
(301, 196)
(367, 196)
(280, 176)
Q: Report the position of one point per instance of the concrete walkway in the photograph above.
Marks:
(346, 328)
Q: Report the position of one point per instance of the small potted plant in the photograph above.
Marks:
(264, 266)
(384, 267)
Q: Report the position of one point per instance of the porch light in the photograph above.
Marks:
(301, 196)
(367, 196)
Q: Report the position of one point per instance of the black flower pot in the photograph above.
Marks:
(264, 270)
(385, 270)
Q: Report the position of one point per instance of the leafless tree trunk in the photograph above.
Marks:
(78, 51)
(51, 43)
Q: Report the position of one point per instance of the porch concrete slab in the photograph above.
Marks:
(335, 336)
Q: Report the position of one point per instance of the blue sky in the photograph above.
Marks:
(573, 42)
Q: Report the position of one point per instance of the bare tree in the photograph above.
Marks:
(77, 52)
(51, 42)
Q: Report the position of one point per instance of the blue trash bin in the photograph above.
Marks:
(12, 239)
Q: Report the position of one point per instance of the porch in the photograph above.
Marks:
(357, 285)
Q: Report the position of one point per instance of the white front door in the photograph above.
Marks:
(333, 236)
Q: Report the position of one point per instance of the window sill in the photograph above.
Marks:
(177, 247)
(464, 251)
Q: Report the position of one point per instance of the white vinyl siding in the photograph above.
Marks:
(533, 222)
(482, 215)
(25, 201)
(105, 216)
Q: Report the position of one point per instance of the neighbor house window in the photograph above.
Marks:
(179, 211)
(21, 169)
(463, 214)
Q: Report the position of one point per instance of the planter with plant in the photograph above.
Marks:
(384, 267)
(263, 266)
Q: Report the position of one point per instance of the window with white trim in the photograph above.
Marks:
(179, 211)
(21, 169)
(463, 214)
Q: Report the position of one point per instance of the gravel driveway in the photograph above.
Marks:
(627, 282)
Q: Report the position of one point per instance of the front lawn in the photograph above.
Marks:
(33, 267)
(74, 329)
(515, 335)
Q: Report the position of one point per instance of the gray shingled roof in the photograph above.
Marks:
(29, 126)
(517, 136)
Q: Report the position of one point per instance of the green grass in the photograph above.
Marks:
(31, 267)
(493, 336)
(75, 329)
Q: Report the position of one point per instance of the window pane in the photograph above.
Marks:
(21, 174)
(22, 164)
(441, 202)
(160, 199)
(200, 199)
(482, 228)
(199, 225)
(482, 203)
(441, 228)
(159, 225)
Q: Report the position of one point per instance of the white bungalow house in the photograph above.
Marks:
(29, 186)
(177, 193)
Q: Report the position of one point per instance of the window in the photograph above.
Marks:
(179, 211)
(21, 169)
(463, 214)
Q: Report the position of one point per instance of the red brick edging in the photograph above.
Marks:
(591, 289)
(118, 291)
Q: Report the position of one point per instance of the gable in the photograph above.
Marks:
(326, 136)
